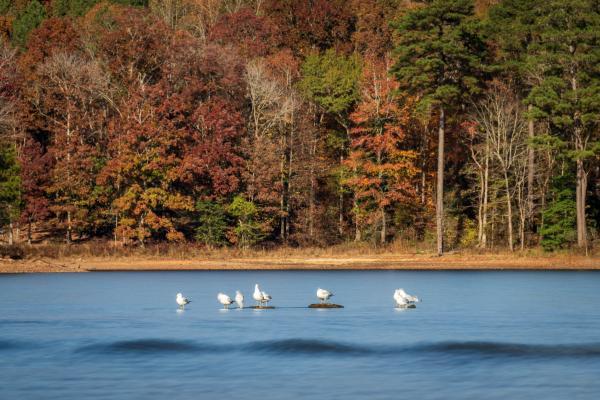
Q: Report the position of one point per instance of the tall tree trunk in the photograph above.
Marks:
(11, 239)
(341, 197)
(311, 207)
(357, 233)
(69, 228)
(282, 216)
(530, 169)
(486, 180)
(116, 227)
(522, 232)
(424, 166)
(29, 231)
(383, 226)
(581, 186)
(480, 213)
(509, 211)
(581, 191)
(439, 210)
(289, 188)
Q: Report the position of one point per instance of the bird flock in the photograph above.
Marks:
(262, 298)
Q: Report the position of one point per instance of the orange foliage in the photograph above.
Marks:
(381, 169)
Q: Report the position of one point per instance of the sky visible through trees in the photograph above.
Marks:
(302, 123)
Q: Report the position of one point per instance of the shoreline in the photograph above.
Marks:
(384, 262)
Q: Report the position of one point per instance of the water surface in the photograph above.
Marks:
(476, 335)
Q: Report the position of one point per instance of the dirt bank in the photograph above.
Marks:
(370, 262)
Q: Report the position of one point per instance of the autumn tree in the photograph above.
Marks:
(373, 33)
(311, 26)
(253, 35)
(73, 94)
(383, 166)
(195, 16)
(167, 152)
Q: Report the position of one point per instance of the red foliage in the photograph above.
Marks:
(310, 25)
(254, 36)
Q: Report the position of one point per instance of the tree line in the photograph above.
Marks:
(301, 123)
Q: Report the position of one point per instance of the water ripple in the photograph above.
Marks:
(299, 346)
(142, 346)
(515, 349)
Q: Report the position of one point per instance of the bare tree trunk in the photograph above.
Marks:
(383, 226)
(530, 169)
(522, 232)
(29, 231)
(480, 215)
(11, 239)
(581, 191)
(581, 186)
(423, 167)
(282, 217)
(341, 199)
(439, 211)
(69, 228)
(509, 211)
(311, 207)
(289, 189)
(486, 180)
(357, 233)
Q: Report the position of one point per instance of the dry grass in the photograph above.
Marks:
(103, 256)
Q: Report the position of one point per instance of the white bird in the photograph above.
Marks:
(182, 301)
(323, 294)
(257, 295)
(266, 298)
(224, 299)
(409, 298)
(239, 299)
(400, 300)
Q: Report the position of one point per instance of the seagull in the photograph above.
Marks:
(407, 297)
(239, 299)
(224, 299)
(257, 295)
(400, 300)
(323, 294)
(266, 298)
(182, 301)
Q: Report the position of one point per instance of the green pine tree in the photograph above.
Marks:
(559, 216)
(248, 230)
(76, 8)
(29, 19)
(10, 185)
(212, 227)
(567, 93)
(439, 59)
(5, 6)
(331, 81)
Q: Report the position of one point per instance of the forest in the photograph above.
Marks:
(267, 123)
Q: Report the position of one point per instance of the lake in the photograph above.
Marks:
(475, 335)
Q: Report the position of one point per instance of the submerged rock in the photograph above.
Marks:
(325, 305)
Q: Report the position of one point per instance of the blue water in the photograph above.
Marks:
(476, 335)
